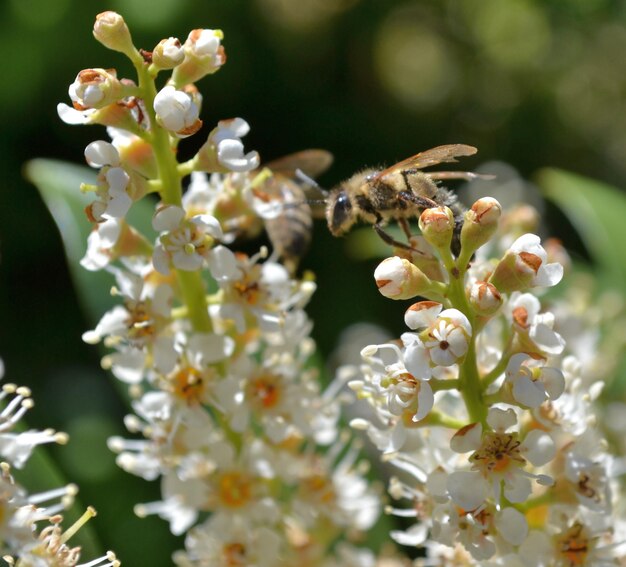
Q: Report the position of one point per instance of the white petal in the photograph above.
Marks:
(209, 224)
(101, 153)
(549, 341)
(168, 217)
(207, 348)
(230, 155)
(74, 117)
(501, 419)
(119, 204)
(161, 260)
(548, 275)
(529, 393)
(165, 356)
(417, 361)
(413, 536)
(539, 448)
(554, 382)
(537, 549)
(128, 366)
(517, 488)
(425, 401)
(467, 489)
(528, 242)
(187, 262)
(441, 357)
(421, 315)
(457, 341)
(467, 439)
(512, 526)
(223, 264)
(458, 318)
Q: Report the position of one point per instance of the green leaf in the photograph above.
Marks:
(59, 185)
(598, 212)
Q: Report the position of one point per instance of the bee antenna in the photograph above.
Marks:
(301, 176)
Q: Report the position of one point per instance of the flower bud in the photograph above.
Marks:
(479, 224)
(204, 55)
(95, 88)
(484, 298)
(177, 112)
(111, 30)
(437, 226)
(168, 54)
(397, 278)
(524, 265)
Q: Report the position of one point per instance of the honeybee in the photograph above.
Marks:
(288, 217)
(399, 193)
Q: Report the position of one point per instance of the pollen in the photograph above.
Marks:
(319, 489)
(498, 454)
(574, 545)
(235, 489)
(140, 322)
(234, 554)
(189, 384)
(265, 391)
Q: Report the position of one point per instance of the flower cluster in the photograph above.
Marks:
(484, 409)
(24, 541)
(213, 344)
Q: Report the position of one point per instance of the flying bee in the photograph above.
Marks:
(398, 193)
(282, 203)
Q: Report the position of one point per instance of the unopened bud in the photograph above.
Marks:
(95, 88)
(397, 278)
(177, 112)
(111, 30)
(204, 55)
(484, 298)
(168, 54)
(480, 224)
(437, 226)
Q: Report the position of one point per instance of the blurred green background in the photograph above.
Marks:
(533, 83)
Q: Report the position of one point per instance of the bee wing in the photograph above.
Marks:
(440, 154)
(312, 162)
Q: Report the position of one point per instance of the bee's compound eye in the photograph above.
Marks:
(341, 214)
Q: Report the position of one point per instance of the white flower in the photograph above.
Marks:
(532, 257)
(533, 328)
(113, 198)
(176, 111)
(100, 244)
(94, 88)
(444, 342)
(498, 461)
(227, 140)
(533, 385)
(188, 243)
(224, 541)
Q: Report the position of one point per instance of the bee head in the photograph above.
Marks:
(339, 212)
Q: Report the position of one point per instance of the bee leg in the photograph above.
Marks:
(421, 202)
(388, 239)
(404, 225)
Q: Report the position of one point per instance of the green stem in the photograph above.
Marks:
(438, 385)
(470, 386)
(435, 418)
(191, 284)
(495, 372)
(469, 377)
